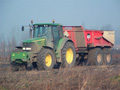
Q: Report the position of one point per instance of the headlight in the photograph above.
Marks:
(27, 48)
(23, 48)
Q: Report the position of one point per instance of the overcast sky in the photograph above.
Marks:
(94, 14)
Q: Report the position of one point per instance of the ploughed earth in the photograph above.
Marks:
(75, 78)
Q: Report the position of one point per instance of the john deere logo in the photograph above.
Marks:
(88, 37)
(42, 43)
(13, 55)
(23, 54)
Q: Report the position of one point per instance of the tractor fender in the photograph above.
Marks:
(60, 46)
(64, 41)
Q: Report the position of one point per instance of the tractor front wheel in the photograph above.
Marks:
(45, 59)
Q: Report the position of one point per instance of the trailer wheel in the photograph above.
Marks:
(68, 55)
(45, 59)
(95, 57)
(107, 56)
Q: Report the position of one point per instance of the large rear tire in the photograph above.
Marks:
(95, 57)
(68, 55)
(45, 59)
(107, 56)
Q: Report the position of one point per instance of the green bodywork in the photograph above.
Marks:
(61, 43)
(34, 40)
(19, 57)
(24, 56)
(36, 43)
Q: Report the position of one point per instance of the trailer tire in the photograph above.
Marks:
(107, 56)
(95, 57)
(68, 55)
(45, 59)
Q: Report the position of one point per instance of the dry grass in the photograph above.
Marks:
(77, 78)
(5, 60)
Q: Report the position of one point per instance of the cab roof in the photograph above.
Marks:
(56, 24)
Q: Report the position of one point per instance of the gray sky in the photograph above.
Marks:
(94, 14)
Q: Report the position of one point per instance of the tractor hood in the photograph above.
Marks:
(34, 45)
(34, 40)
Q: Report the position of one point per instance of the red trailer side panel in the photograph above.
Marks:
(95, 38)
(69, 32)
(84, 38)
(76, 34)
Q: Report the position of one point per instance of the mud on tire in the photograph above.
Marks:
(45, 59)
(95, 57)
(68, 55)
(107, 56)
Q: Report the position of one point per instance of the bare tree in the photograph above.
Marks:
(11, 44)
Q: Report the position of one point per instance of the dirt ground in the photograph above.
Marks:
(76, 78)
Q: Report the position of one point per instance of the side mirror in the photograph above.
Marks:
(22, 28)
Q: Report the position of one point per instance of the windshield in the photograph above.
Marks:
(44, 31)
(41, 31)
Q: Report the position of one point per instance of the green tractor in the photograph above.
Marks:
(47, 47)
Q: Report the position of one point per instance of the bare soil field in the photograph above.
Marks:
(76, 78)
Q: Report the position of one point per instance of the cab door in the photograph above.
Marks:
(56, 37)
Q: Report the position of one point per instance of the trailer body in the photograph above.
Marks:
(88, 38)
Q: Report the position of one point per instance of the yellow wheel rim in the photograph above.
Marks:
(48, 60)
(108, 58)
(69, 55)
(99, 57)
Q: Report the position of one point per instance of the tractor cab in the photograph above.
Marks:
(50, 32)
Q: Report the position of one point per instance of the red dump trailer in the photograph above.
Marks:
(92, 45)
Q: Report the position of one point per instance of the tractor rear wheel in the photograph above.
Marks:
(107, 56)
(45, 59)
(95, 57)
(68, 55)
